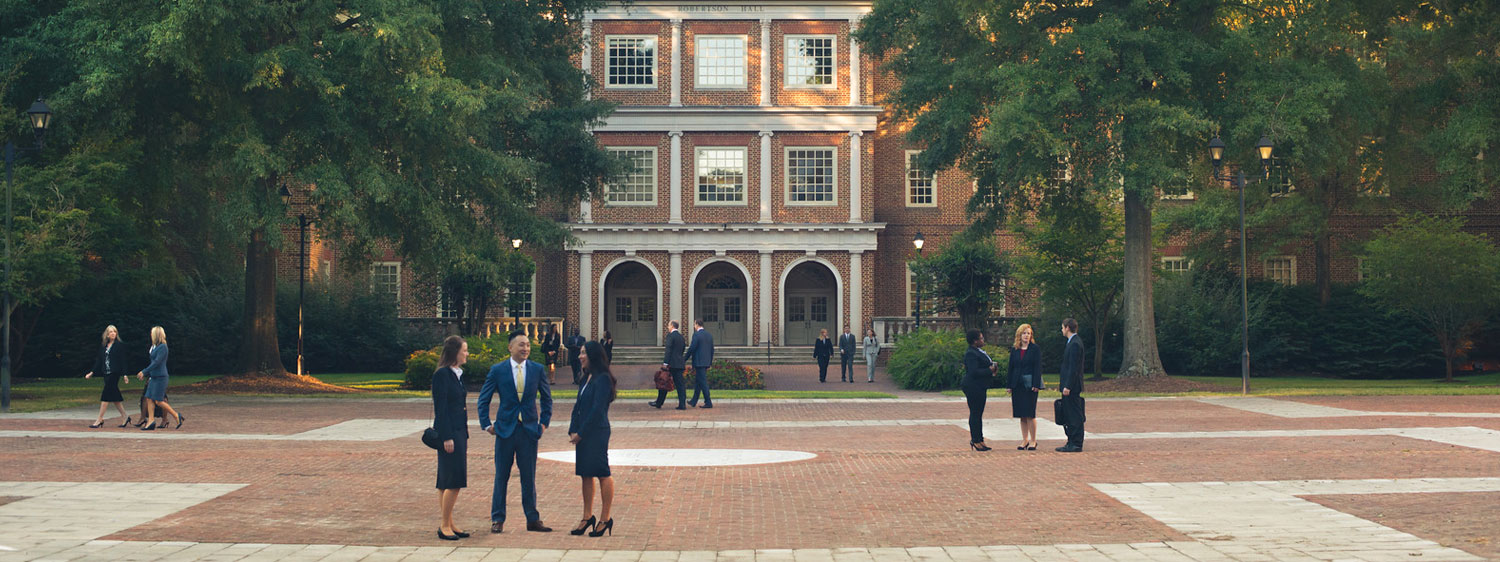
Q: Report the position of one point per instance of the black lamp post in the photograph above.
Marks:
(1263, 149)
(917, 242)
(515, 244)
(41, 118)
(286, 196)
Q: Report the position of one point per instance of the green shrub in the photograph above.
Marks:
(934, 360)
(419, 368)
(731, 375)
(483, 354)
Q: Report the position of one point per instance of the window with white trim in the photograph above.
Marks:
(630, 61)
(1062, 171)
(810, 175)
(810, 61)
(1177, 192)
(385, 279)
(638, 186)
(721, 61)
(1175, 264)
(721, 175)
(921, 189)
(448, 304)
(1359, 270)
(525, 289)
(1282, 269)
(989, 199)
(1280, 179)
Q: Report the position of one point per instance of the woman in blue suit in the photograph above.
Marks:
(156, 389)
(589, 431)
(451, 421)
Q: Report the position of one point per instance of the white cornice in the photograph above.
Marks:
(731, 10)
(742, 118)
(796, 237)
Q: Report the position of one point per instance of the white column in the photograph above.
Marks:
(856, 175)
(766, 297)
(674, 312)
(675, 187)
(586, 293)
(765, 176)
(676, 63)
(856, 290)
(586, 210)
(587, 61)
(853, 63)
(765, 62)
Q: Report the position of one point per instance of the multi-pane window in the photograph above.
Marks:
(1280, 179)
(385, 279)
(988, 199)
(448, 304)
(523, 289)
(810, 177)
(721, 175)
(631, 60)
(637, 186)
(721, 61)
(1359, 269)
(810, 61)
(1175, 264)
(1062, 171)
(1282, 269)
(1180, 191)
(920, 191)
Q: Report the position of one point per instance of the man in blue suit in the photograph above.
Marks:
(701, 353)
(518, 427)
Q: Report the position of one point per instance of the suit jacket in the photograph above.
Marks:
(701, 352)
(591, 412)
(609, 349)
(977, 368)
(846, 344)
(158, 366)
(116, 355)
(822, 349)
(502, 381)
(449, 398)
(1020, 367)
(550, 343)
(1072, 366)
(575, 346)
(675, 345)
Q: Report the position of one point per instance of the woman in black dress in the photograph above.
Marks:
(110, 366)
(822, 351)
(451, 421)
(550, 344)
(608, 342)
(1025, 381)
(589, 431)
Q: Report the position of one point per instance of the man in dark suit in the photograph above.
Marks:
(575, 347)
(518, 427)
(1071, 384)
(673, 363)
(846, 355)
(701, 353)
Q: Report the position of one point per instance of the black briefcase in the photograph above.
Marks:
(1057, 412)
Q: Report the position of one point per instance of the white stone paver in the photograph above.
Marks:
(1293, 409)
(84, 511)
(688, 457)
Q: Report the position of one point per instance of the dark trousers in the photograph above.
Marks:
(661, 395)
(577, 369)
(700, 383)
(846, 366)
(520, 447)
(822, 369)
(976, 396)
(1073, 416)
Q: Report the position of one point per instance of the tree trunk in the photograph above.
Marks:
(1141, 357)
(259, 349)
(1323, 266)
(1100, 324)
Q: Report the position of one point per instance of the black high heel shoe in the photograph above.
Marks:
(142, 422)
(96, 425)
(979, 447)
(588, 525)
(150, 427)
(459, 534)
(127, 421)
(605, 527)
(1031, 447)
(446, 537)
(179, 421)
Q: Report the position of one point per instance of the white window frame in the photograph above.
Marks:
(1274, 181)
(655, 52)
(909, 294)
(1176, 259)
(397, 265)
(906, 178)
(438, 307)
(1359, 269)
(786, 177)
(698, 62)
(1063, 171)
(698, 174)
(530, 304)
(1187, 195)
(786, 63)
(655, 180)
(1266, 268)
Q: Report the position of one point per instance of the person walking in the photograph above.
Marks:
(846, 354)
(450, 418)
(701, 353)
(1071, 384)
(872, 354)
(823, 351)
(608, 343)
(575, 348)
(551, 342)
(588, 431)
(1024, 379)
(518, 427)
(673, 362)
(156, 389)
(111, 367)
(979, 369)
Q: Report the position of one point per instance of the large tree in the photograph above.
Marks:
(1073, 259)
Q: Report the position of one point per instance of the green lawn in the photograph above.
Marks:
(29, 395)
(1488, 384)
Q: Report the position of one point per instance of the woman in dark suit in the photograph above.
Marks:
(979, 369)
(1025, 381)
(550, 344)
(110, 365)
(450, 419)
(589, 431)
(156, 389)
(822, 351)
(608, 342)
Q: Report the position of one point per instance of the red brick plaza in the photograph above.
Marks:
(1410, 478)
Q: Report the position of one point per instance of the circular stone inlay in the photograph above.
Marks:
(689, 457)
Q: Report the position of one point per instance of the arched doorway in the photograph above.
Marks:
(631, 304)
(809, 303)
(721, 300)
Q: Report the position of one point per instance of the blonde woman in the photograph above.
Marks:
(110, 366)
(156, 389)
(1025, 381)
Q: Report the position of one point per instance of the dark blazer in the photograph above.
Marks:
(1072, 366)
(591, 412)
(977, 368)
(575, 346)
(609, 349)
(675, 345)
(449, 399)
(550, 343)
(158, 366)
(502, 381)
(1019, 367)
(822, 348)
(701, 352)
(116, 354)
(846, 344)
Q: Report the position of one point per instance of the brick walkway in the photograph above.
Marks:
(892, 481)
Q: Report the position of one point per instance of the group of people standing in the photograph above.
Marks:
(1024, 382)
(110, 365)
(523, 415)
(823, 352)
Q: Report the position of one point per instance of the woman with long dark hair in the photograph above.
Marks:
(111, 365)
(589, 431)
(450, 419)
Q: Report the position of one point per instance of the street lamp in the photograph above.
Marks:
(1263, 149)
(286, 197)
(917, 242)
(515, 244)
(41, 118)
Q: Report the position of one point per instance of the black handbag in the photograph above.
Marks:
(430, 439)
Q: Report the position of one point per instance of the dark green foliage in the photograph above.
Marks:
(346, 329)
(731, 375)
(483, 354)
(934, 360)
(967, 275)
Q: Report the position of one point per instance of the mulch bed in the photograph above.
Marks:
(262, 383)
(1153, 385)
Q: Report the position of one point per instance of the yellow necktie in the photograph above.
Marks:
(519, 370)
